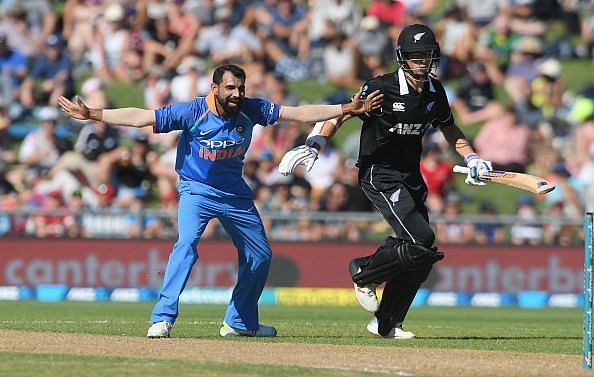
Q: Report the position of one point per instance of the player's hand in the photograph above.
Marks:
(301, 155)
(370, 102)
(77, 109)
(477, 167)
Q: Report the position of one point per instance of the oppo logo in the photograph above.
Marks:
(217, 144)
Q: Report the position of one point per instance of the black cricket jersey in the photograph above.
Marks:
(391, 136)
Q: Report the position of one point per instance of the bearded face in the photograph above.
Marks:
(230, 94)
(231, 103)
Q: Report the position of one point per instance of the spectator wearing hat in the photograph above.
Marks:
(13, 68)
(548, 88)
(569, 190)
(373, 46)
(50, 77)
(89, 162)
(224, 42)
(39, 150)
(191, 80)
(547, 96)
(523, 67)
(111, 55)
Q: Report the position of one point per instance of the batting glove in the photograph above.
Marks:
(302, 155)
(477, 167)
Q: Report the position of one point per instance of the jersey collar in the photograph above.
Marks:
(403, 84)
(210, 102)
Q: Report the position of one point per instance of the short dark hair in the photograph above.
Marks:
(217, 76)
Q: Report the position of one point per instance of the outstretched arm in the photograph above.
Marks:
(128, 116)
(318, 113)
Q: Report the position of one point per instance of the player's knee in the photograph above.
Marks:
(187, 248)
(427, 238)
(261, 259)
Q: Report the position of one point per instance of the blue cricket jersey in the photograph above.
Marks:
(211, 149)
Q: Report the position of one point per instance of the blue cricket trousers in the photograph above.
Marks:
(242, 222)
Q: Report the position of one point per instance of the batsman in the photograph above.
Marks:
(389, 156)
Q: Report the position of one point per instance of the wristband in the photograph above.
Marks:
(469, 157)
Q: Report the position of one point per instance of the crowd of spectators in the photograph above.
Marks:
(501, 61)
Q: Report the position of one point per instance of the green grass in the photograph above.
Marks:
(556, 331)
(14, 364)
(511, 329)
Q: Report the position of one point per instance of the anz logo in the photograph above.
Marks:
(407, 128)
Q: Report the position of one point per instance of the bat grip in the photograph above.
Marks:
(461, 169)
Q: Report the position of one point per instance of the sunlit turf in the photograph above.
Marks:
(511, 329)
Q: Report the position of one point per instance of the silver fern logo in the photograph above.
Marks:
(418, 36)
(395, 196)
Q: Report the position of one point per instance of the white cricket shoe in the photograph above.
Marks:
(159, 330)
(367, 297)
(396, 333)
(264, 331)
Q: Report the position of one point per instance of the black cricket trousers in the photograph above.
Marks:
(400, 198)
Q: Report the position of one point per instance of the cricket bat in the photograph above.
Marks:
(522, 181)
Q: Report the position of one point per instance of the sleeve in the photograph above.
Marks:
(177, 116)
(268, 112)
(371, 86)
(444, 116)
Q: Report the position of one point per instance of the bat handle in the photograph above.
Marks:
(461, 169)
